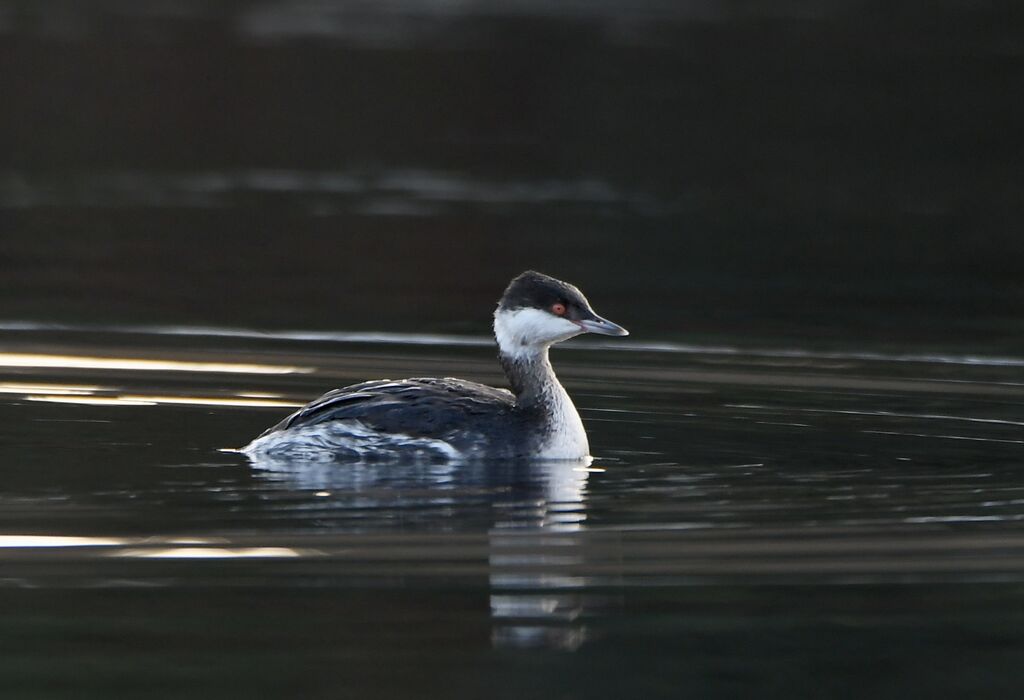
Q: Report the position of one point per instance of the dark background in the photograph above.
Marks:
(814, 173)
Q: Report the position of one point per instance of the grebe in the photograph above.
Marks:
(454, 419)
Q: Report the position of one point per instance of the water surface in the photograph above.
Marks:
(753, 519)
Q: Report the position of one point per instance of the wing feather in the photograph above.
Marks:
(427, 407)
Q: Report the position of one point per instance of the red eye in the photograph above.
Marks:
(558, 309)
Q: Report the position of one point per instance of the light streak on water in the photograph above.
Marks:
(14, 359)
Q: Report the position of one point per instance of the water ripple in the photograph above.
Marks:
(449, 340)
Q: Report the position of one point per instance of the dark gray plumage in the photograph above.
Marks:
(473, 418)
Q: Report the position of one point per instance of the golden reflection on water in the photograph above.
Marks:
(96, 395)
(143, 548)
(91, 400)
(210, 553)
(155, 400)
(58, 389)
(27, 541)
(15, 359)
(212, 401)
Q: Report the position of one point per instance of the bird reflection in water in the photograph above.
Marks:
(535, 514)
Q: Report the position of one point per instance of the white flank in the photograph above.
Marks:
(348, 439)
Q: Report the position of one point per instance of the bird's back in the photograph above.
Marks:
(455, 416)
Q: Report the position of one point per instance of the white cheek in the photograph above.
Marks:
(525, 329)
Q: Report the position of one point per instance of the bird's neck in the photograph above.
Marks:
(531, 377)
(540, 394)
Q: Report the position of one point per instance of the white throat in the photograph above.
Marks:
(528, 332)
(524, 336)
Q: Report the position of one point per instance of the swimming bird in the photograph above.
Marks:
(454, 419)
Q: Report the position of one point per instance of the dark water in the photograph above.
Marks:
(807, 455)
(809, 172)
(777, 523)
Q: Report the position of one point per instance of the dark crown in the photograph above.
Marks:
(535, 290)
